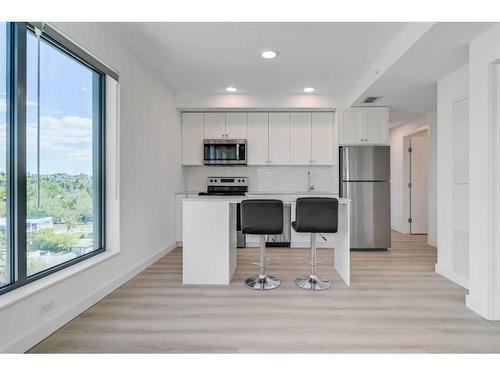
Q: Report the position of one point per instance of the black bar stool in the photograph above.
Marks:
(315, 215)
(262, 216)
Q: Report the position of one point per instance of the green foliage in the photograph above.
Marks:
(66, 198)
(49, 240)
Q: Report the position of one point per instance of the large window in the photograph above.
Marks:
(5, 258)
(55, 215)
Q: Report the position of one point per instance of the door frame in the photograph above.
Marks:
(494, 192)
(407, 174)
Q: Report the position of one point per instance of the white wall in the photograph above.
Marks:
(150, 174)
(399, 215)
(484, 190)
(451, 89)
(241, 100)
(267, 179)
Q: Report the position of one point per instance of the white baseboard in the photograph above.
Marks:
(32, 338)
(398, 229)
(475, 306)
(451, 275)
(431, 243)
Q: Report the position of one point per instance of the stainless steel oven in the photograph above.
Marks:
(225, 152)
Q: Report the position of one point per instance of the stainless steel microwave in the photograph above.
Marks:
(225, 152)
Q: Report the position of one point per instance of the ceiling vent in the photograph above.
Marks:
(371, 99)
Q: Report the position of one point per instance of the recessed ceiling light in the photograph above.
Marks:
(309, 89)
(269, 54)
(231, 89)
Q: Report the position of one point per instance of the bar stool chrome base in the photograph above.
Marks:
(262, 282)
(312, 282)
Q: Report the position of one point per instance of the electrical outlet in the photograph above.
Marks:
(46, 307)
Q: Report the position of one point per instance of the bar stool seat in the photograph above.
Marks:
(315, 215)
(262, 217)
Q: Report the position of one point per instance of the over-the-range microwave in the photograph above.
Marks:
(225, 152)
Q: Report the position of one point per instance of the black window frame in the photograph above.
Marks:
(16, 208)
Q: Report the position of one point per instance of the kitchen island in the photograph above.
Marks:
(209, 237)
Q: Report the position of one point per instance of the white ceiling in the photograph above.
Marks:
(208, 57)
(409, 85)
(199, 60)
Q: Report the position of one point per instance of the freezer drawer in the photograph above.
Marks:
(365, 163)
(370, 214)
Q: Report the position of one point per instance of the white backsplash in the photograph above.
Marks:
(267, 179)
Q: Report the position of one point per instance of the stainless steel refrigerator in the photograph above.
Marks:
(365, 180)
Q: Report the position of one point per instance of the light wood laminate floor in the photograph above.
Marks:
(396, 303)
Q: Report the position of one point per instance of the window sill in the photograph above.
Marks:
(34, 287)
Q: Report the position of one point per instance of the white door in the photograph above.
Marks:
(236, 125)
(192, 138)
(351, 126)
(376, 125)
(257, 138)
(418, 187)
(322, 138)
(300, 138)
(215, 125)
(279, 138)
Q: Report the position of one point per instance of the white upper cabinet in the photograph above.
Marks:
(273, 138)
(257, 138)
(279, 138)
(351, 126)
(364, 126)
(215, 125)
(192, 138)
(300, 138)
(322, 138)
(376, 123)
(236, 125)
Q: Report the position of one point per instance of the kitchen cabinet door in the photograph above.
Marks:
(215, 125)
(351, 129)
(257, 138)
(300, 138)
(279, 138)
(322, 138)
(236, 125)
(376, 125)
(192, 138)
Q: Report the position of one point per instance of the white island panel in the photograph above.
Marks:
(209, 240)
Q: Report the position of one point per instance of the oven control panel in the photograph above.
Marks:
(227, 181)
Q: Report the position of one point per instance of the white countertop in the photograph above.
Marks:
(288, 198)
(280, 193)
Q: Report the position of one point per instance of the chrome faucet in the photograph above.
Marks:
(310, 187)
